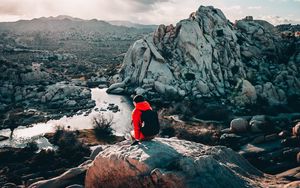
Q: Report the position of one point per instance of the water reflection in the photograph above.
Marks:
(83, 120)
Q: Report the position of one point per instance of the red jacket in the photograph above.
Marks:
(136, 118)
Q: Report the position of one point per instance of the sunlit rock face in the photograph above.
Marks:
(207, 56)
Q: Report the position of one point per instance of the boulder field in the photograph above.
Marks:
(27, 95)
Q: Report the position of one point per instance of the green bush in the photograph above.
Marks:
(102, 126)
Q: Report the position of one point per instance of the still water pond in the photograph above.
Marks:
(83, 120)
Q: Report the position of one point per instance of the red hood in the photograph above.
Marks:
(143, 106)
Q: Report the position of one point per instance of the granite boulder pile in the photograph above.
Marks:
(207, 56)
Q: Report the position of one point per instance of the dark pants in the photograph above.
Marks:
(147, 138)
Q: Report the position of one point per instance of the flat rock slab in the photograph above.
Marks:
(250, 150)
(172, 162)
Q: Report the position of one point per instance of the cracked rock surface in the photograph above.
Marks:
(173, 163)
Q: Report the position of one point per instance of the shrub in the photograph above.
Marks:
(27, 151)
(69, 146)
(102, 126)
(32, 146)
(59, 131)
(43, 158)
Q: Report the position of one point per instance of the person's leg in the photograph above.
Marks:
(132, 134)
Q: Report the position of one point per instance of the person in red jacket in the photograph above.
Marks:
(140, 105)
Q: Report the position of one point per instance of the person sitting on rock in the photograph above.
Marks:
(144, 119)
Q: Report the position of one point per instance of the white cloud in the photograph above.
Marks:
(141, 11)
(234, 7)
(276, 20)
(254, 7)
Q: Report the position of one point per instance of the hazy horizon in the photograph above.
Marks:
(149, 11)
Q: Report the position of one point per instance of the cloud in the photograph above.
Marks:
(139, 5)
(278, 0)
(254, 7)
(141, 11)
(11, 7)
(234, 7)
(277, 20)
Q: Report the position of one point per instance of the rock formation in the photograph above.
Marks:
(270, 143)
(67, 95)
(22, 87)
(173, 163)
(69, 178)
(207, 56)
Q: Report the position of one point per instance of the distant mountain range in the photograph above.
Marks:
(92, 40)
(130, 24)
(50, 23)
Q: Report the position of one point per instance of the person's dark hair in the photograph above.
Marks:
(138, 98)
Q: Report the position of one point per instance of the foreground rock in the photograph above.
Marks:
(69, 178)
(173, 163)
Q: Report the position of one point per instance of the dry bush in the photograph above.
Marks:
(69, 146)
(102, 126)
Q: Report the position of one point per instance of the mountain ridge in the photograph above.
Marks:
(122, 23)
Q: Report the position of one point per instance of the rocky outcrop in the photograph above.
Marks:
(24, 87)
(206, 56)
(68, 178)
(172, 163)
(270, 143)
(67, 95)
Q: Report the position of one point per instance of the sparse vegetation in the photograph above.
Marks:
(47, 163)
(102, 126)
(69, 146)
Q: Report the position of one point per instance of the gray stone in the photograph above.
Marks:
(259, 123)
(239, 125)
(171, 163)
(118, 88)
(247, 94)
(140, 91)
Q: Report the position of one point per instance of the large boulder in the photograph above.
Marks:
(206, 56)
(239, 125)
(260, 123)
(172, 163)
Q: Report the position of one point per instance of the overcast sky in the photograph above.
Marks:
(149, 11)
